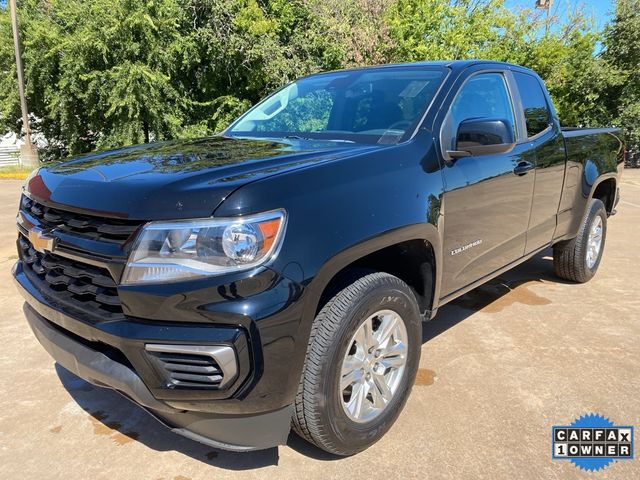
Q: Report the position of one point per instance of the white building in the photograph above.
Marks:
(10, 149)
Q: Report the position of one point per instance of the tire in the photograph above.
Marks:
(319, 415)
(571, 259)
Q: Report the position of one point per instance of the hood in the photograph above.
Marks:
(178, 179)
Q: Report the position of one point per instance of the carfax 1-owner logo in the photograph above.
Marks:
(592, 442)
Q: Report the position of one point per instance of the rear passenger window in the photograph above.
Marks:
(536, 111)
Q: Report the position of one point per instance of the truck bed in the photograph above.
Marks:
(570, 132)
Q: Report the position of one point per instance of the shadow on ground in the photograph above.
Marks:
(123, 421)
(509, 288)
(113, 416)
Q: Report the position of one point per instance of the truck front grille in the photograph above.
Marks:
(73, 283)
(96, 228)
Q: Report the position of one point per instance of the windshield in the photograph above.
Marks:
(369, 106)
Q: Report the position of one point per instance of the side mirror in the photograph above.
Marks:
(483, 136)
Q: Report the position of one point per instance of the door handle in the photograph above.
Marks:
(523, 168)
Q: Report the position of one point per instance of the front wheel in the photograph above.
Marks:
(361, 363)
(578, 259)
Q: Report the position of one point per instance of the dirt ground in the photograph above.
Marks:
(499, 367)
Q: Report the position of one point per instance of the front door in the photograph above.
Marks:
(487, 199)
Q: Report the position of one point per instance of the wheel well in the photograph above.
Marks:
(606, 191)
(412, 261)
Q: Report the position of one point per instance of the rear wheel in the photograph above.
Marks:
(578, 259)
(361, 363)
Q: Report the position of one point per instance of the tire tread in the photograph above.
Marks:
(306, 420)
(569, 257)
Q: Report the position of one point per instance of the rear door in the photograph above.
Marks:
(486, 204)
(543, 131)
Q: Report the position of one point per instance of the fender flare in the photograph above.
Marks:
(599, 180)
(425, 231)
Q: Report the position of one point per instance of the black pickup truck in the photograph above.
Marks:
(277, 275)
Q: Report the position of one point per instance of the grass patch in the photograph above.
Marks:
(15, 172)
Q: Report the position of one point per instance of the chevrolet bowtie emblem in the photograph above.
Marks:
(41, 241)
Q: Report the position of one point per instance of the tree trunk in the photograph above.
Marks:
(145, 127)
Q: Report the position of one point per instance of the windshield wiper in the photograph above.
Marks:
(338, 140)
(299, 137)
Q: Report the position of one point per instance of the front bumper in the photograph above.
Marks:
(113, 355)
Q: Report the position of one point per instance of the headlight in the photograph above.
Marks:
(183, 250)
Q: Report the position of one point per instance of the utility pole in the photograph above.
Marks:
(28, 151)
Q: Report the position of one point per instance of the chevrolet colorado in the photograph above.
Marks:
(278, 274)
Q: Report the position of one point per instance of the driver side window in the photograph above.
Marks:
(483, 96)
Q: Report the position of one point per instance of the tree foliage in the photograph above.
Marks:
(622, 52)
(105, 73)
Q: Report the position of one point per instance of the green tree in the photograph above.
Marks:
(9, 101)
(358, 31)
(102, 73)
(622, 51)
(105, 73)
(562, 51)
